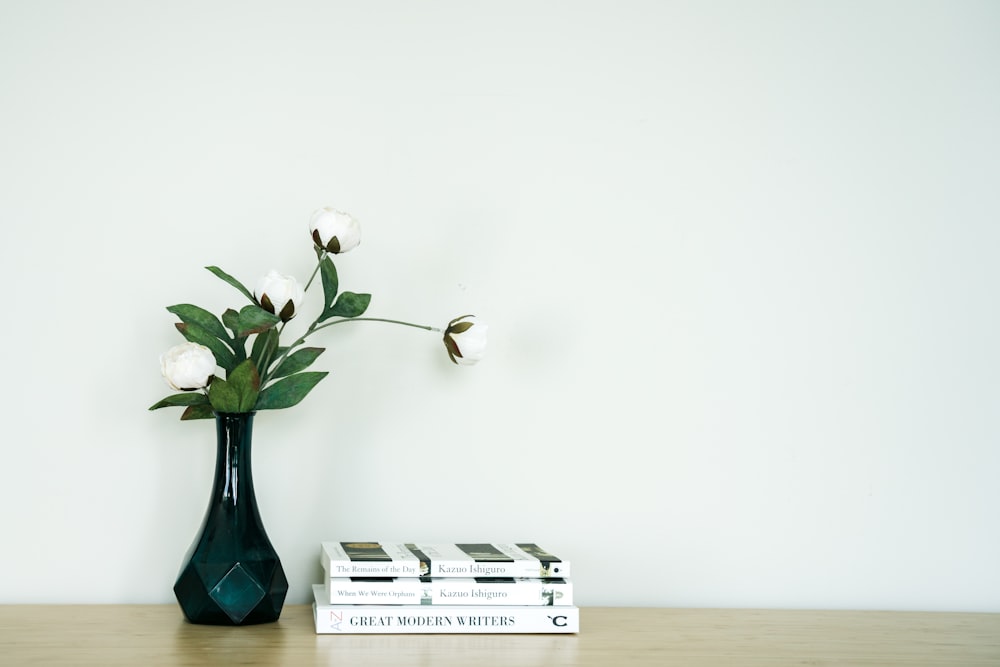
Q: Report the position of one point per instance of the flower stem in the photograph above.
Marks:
(378, 319)
(315, 271)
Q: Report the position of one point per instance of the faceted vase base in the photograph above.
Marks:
(244, 594)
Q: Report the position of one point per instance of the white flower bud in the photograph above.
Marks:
(465, 340)
(187, 366)
(334, 231)
(279, 295)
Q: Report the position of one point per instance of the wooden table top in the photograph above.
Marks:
(110, 635)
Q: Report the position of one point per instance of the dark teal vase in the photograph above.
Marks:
(231, 573)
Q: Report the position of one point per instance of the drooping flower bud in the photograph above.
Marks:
(187, 366)
(279, 295)
(465, 340)
(334, 231)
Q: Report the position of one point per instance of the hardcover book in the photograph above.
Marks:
(391, 559)
(444, 619)
(448, 591)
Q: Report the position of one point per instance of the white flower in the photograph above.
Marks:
(187, 366)
(279, 295)
(465, 340)
(334, 231)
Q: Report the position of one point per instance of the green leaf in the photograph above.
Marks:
(297, 361)
(223, 396)
(328, 275)
(239, 346)
(194, 333)
(204, 319)
(231, 319)
(187, 398)
(198, 412)
(245, 381)
(289, 391)
(232, 281)
(348, 304)
(254, 319)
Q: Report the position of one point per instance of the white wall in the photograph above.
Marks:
(739, 261)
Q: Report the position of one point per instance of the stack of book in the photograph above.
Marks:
(373, 587)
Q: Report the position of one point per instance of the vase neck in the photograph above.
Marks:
(233, 473)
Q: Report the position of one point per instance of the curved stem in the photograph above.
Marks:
(379, 319)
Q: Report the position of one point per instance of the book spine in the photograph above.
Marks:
(414, 591)
(387, 619)
(447, 568)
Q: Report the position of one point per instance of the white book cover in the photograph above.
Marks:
(448, 591)
(394, 559)
(444, 619)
